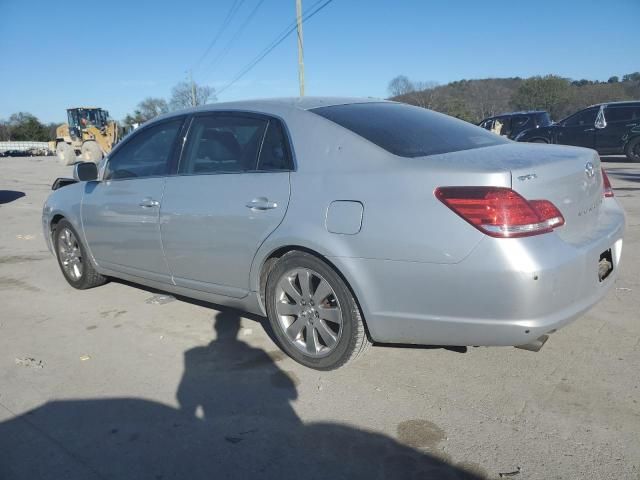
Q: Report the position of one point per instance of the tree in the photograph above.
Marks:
(183, 95)
(4, 131)
(147, 109)
(631, 77)
(24, 126)
(152, 107)
(550, 93)
(400, 85)
(613, 79)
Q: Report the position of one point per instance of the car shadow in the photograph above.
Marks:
(623, 173)
(264, 322)
(615, 158)
(234, 421)
(8, 196)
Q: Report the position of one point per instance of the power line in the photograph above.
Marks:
(272, 46)
(229, 44)
(235, 6)
(286, 30)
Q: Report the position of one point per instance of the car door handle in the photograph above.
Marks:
(149, 202)
(261, 203)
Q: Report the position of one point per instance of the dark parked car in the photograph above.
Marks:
(512, 124)
(609, 128)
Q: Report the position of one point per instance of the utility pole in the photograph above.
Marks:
(300, 47)
(193, 89)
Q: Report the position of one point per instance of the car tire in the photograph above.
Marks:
(633, 150)
(320, 326)
(91, 152)
(74, 261)
(66, 154)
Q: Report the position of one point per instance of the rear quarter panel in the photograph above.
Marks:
(402, 219)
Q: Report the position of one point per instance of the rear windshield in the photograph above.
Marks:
(408, 131)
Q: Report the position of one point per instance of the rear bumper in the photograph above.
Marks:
(506, 292)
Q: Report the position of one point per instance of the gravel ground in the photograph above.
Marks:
(116, 382)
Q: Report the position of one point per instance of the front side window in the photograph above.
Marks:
(487, 124)
(408, 131)
(502, 126)
(146, 154)
(222, 144)
(543, 119)
(585, 118)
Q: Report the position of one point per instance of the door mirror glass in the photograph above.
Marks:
(601, 121)
(85, 171)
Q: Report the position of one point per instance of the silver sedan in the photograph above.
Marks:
(346, 222)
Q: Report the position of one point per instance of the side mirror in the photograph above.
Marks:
(85, 171)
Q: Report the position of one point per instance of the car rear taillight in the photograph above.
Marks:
(607, 191)
(501, 212)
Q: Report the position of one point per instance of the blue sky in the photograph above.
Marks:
(117, 55)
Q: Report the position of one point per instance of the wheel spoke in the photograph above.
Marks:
(330, 314)
(327, 335)
(304, 277)
(322, 292)
(312, 341)
(287, 308)
(296, 327)
(67, 238)
(287, 285)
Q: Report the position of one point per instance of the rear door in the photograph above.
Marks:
(579, 129)
(230, 193)
(619, 120)
(120, 213)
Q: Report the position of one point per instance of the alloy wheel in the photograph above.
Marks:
(70, 254)
(309, 312)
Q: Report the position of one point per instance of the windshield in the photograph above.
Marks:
(408, 131)
(82, 117)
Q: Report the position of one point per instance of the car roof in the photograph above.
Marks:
(268, 105)
(524, 112)
(622, 103)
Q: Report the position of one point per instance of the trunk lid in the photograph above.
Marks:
(567, 176)
(556, 173)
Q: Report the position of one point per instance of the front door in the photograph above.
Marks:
(120, 213)
(231, 192)
(579, 129)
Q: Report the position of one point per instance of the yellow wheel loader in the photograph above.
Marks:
(90, 135)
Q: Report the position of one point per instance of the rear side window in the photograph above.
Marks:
(519, 121)
(621, 114)
(408, 131)
(146, 154)
(222, 144)
(274, 154)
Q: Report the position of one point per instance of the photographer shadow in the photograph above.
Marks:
(235, 421)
